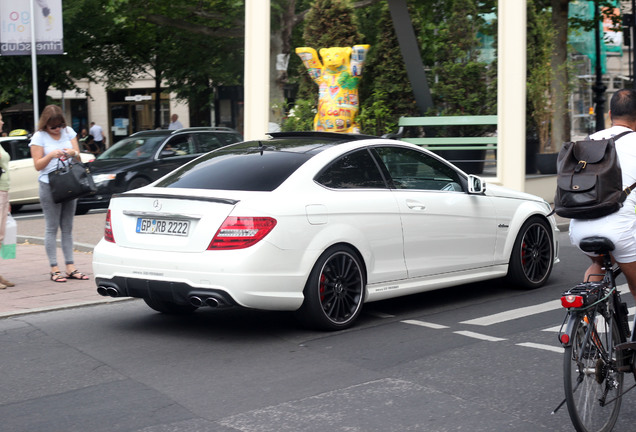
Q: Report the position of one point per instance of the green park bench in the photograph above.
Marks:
(469, 153)
(449, 143)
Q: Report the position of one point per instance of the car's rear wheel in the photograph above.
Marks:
(169, 307)
(532, 255)
(334, 291)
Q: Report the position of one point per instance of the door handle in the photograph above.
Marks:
(415, 205)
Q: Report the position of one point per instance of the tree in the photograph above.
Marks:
(540, 74)
(560, 82)
(60, 71)
(194, 47)
(387, 91)
(461, 82)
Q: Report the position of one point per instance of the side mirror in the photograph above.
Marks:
(476, 185)
(167, 153)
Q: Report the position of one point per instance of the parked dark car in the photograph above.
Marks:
(145, 156)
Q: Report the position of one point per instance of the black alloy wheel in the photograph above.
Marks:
(334, 292)
(532, 255)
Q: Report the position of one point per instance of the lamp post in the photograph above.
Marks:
(598, 87)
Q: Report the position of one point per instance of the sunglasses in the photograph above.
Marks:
(56, 126)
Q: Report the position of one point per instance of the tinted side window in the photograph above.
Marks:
(356, 170)
(181, 145)
(17, 149)
(208, 142)
(229, 138)
(412, 169)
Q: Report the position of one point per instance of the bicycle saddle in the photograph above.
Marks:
(598, 245)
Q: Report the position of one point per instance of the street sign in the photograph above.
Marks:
(138, 98)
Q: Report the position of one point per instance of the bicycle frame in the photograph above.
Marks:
(594, 335)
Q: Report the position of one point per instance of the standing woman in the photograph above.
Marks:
(4, 199)
(53, 141)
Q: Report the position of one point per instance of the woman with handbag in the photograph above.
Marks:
(5, 208)
(52, 142)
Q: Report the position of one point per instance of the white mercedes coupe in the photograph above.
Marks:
(318, 223)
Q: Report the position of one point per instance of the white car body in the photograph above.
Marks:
(409, 241)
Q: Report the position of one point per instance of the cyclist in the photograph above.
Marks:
(619, 227)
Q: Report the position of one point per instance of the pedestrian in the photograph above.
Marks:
(51, 142)
(86, 142)
(619, 227)
(174, 122)
(5, 207)
(99, 139)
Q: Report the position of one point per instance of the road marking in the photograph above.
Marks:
(552, 348)
(522, 312)
(379, 314)
(514, 314)
(479, 336)
(425, 324)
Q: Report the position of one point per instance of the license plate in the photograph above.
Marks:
(163, 226)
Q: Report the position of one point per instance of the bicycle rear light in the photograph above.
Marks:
(570, 301)
(582, 295)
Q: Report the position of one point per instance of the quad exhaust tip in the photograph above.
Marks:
(210, 301)
(108, 291)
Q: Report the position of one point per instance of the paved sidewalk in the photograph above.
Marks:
(34, 291)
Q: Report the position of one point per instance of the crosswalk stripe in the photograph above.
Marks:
(379, 314)
(514, 314)
(479, 336)
(522, 312)
(542, 346)
(425, 324)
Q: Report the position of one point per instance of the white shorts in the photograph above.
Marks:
(619, 227)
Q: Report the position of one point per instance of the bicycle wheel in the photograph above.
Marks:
(590, 375)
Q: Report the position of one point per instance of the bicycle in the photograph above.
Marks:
(599, 347)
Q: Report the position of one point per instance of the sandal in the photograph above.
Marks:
(76, 274)
(57, 277)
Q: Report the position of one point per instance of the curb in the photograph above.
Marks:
(81, 247)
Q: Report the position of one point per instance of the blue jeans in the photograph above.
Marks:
(57, 215)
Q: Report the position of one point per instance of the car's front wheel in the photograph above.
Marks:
(334, 291)
(169, 307)
(532, 255)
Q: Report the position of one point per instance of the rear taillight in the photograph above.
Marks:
(241, 232)
(108, 229)
(572, 301)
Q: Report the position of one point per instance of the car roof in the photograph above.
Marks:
(166, 132)
(295, 142)
(13, 138)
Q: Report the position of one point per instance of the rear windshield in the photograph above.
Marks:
(237, 169)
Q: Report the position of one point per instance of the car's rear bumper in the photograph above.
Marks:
(174, 292)
(271, 279)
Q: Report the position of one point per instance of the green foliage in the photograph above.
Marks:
(329, 23)
(540, 74)
(385, 90)
(461, 85)
(301, 117)
(376, 117)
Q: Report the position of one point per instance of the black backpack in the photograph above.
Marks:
(589, 179)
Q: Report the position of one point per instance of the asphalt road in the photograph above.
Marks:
(479, 357)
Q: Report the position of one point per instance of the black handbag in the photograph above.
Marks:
(70, 181)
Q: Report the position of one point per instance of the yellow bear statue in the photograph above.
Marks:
(338, 78)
